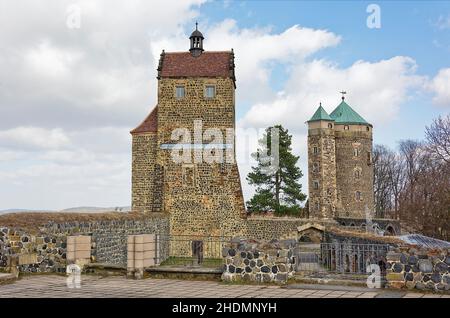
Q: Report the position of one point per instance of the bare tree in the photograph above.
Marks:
(438, 138)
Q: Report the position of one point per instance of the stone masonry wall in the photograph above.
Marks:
(346, 165)
(322, 169)
(423, 269)
(46, 251)
(143, 173)
(258, 261)
(271, 228)
(201, 198)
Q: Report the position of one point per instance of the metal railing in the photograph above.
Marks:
(189, 250)
(340, 258)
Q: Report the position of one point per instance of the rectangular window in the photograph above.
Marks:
(188, 176)
(316, 150)
(369, 158)
(315, 167)
(358, 195)
(180, 92)
(355, 152)
(210, 91)
(316, 185)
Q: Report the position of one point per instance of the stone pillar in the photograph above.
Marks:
(79, 249)
(141, 253)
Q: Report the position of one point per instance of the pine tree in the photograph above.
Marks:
(277, 189)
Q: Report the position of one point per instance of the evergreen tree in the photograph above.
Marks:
(277, 186)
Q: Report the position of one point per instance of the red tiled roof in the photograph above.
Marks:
(208, 64)
(150, 124)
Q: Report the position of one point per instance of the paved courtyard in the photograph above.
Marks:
(53, 286)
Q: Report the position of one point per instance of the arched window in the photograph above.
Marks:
(357, 174)
(330, 125)
(346, 127)
(358, 196)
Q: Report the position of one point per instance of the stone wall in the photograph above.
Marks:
(46, 251)
(322, 169)
(201, 198)
(346, 166)
(261, 228)
(258, 261)
(391, 227)
(144, 182)
(415, 268)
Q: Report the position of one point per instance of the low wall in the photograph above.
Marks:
(258, 261)
(270, 228)
(45, 249)
(422, 269)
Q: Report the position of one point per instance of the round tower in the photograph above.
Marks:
(321, 165)
(354, 169)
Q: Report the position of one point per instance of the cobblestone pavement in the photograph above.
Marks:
(54, 286)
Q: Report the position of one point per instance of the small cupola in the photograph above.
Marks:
(196, 42)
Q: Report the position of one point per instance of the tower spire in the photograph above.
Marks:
(196, 39)
(343, 94)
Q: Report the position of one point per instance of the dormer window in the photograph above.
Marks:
(210, 91)
(180, 92)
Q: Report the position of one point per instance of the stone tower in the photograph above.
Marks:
(321, 165)
(181, 166)
(340, 169)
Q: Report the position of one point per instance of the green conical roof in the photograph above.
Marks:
(344, 114)
(320, 114)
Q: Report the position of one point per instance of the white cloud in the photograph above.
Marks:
(33, 138)
(443, 22)
(375, 90)
(440, 85)
(255, 50)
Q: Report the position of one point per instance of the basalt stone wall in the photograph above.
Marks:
(46, 251)
(258, 261)
(417, 268)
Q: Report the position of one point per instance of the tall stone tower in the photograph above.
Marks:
(181, 165)
(340, 166)
(322, 165)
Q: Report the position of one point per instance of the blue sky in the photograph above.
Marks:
(409, 28)
(70, 96)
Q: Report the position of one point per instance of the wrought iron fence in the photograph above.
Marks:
(340, 258)
(188, 250)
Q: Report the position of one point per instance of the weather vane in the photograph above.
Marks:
(343, 94)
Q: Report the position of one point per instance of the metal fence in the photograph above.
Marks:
(340, 258)
(184, 250)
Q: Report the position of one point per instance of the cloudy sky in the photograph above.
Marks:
(70, 92)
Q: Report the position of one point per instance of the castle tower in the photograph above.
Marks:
(180, 165)
(321, 165)
(354, 169)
